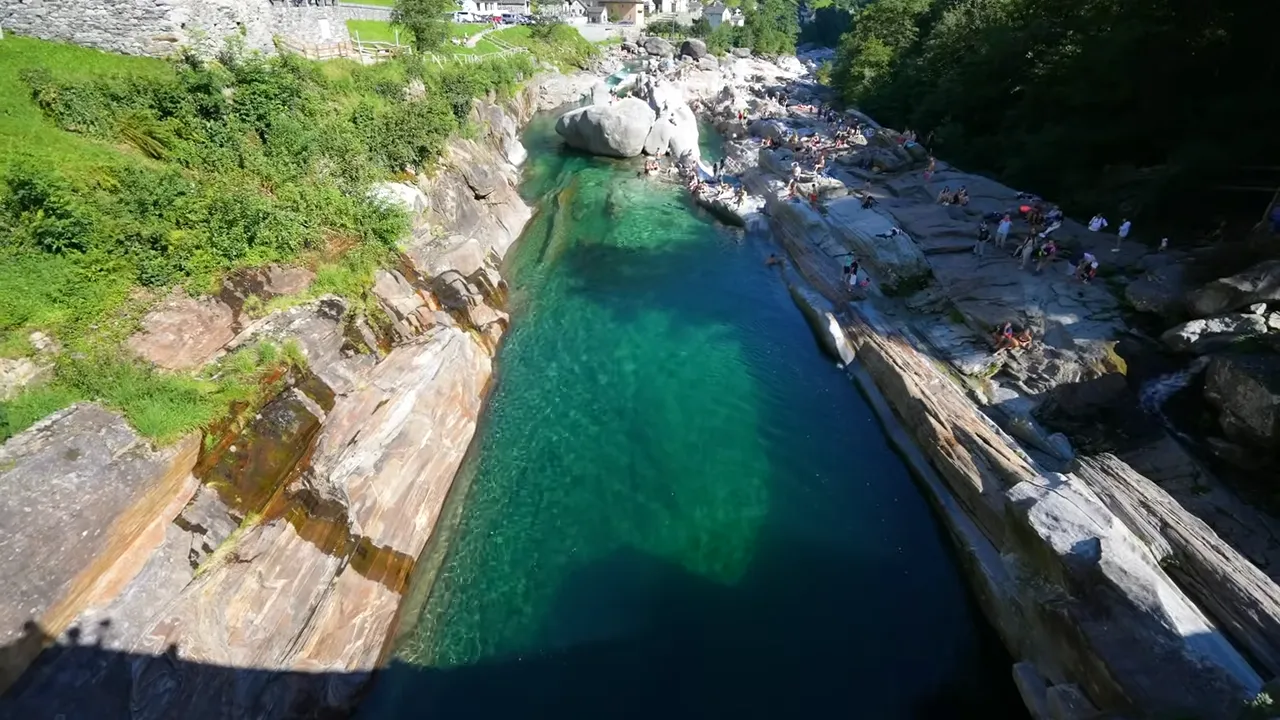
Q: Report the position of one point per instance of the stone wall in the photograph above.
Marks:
(160, 27)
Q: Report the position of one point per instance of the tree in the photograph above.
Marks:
(426, 20)
(1135, 108)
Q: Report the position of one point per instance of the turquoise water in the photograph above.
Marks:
(676, 507)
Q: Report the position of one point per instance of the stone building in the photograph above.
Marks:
(160, 27)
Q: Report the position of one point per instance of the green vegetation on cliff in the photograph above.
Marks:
(1132, 107)
(121, 177)
(769, 27)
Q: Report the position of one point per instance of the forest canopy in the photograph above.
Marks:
(1150, 107)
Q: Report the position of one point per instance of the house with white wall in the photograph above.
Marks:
(564, 10)
(718, 14)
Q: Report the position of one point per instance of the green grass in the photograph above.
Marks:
(383, 31)
(375, 31)
(566, 48)
(24, 130)
(161, 406)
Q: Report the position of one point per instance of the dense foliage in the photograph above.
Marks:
(553, 42)
(770, 27)
(174, 175)
(1125, 107)
(426, 20)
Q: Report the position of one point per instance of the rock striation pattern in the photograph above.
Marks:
(265, 579)
(1116, 598)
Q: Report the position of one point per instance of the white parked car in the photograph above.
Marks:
(465, 17)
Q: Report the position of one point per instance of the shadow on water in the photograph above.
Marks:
(759, 649)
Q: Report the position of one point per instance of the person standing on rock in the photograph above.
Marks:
(1048, 252)
(1098, 223)
(1123, 234)
(1002, 230)
(928, 171)
(1025, 251)
(984, 234)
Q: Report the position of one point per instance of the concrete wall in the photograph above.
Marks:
(160, 27)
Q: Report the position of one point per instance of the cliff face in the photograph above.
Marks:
(287, 548)
(1115, 597)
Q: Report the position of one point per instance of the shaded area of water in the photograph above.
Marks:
(676, 506)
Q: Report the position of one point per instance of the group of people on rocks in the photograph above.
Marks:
(959, 197)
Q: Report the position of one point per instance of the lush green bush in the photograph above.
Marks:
(770, 27)
(1144, 109)
(559, 44)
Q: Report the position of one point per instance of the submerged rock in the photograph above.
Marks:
(617, 130)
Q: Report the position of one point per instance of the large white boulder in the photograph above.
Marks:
(684, 136)
(617, 130)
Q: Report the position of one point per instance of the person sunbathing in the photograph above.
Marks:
(1004, 337)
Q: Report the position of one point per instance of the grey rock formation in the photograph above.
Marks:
(1260, 283)
(617, 130)
(318, 328)
(1160, 291)
(694, 48)
(1245, 388)
(741, 52)
(1209, 334)
(183, 333)
(657, 46)
(79, 492)
(264, 283)
(555, 91)
(708, 63)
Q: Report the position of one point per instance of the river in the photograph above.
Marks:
(676, 506)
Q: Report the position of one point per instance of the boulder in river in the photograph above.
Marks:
(741, 52)
(1260, 283)
(694, 48)
(708, 63)
(1246, 390)
(657, 46)
(1159, 291)
(617, 130)
(1206, 335)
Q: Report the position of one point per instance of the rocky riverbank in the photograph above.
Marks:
(259, 573)
(1125, 579)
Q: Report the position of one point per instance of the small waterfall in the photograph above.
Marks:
(1155, 392)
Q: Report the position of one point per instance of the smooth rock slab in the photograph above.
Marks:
(1260, 283)
(617, 130)
(77, 490)
(184, 333)
(1246, 391)
(315, 588)
(1209, 334)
